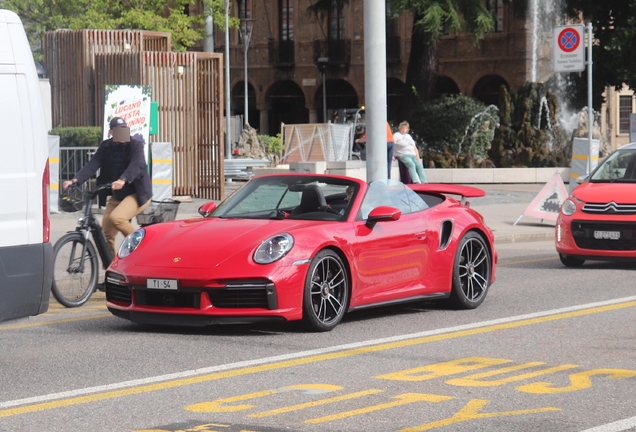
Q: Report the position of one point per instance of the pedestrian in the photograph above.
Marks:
(390, 144)
(360, 142)
(406, 151)
(121, 161)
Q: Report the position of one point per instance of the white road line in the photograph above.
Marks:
(266, 360)
(618, 426)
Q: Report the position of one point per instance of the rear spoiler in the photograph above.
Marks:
(449, 189)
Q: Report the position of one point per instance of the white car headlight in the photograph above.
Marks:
(131, 242)
(273, 249)
(568, 207)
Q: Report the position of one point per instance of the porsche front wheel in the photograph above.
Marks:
(326, 292)
(471, 272)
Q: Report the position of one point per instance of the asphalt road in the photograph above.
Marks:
(551, 349)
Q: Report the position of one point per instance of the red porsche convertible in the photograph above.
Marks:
(302, 246)
(598, 221)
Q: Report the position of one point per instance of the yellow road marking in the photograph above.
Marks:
(306, 360)
(313, 404)
(471, 411)
(526, 261)
(402, 399)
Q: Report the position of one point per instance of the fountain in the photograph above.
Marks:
(493, 117)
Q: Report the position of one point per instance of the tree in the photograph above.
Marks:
(430, 19)
(614, 26)
(40, 16)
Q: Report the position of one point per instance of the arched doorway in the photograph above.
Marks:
(339, 94)
(395, 92)
(487, 89)
(286, 102)
(444, 85)
(238, 103)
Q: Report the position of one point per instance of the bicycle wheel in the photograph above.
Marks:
(75, 270)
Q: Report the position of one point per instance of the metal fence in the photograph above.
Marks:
(71, 160)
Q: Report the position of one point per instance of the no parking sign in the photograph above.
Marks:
(569, 48)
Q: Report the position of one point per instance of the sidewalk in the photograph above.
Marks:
(501, 207)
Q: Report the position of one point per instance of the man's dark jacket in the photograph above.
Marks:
(134, 161)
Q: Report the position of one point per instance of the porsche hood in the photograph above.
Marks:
(205, 243)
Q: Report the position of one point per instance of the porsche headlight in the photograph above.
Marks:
(131, 242)
(273, 249)
(568, 207)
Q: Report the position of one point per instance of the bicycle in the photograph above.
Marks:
(74, 283)
(75, 269)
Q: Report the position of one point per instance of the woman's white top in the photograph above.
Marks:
(404, 145)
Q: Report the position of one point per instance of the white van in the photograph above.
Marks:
(26, 254)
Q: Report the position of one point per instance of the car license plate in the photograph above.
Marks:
(607, 235)
(162, 284)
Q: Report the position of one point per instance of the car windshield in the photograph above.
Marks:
(293, 197)
(620, 166)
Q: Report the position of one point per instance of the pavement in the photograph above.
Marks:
(501, 208)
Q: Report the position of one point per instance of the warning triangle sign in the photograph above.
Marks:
(547, 203)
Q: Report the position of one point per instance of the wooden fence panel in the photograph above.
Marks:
(70, 57)
(210, 124)
(188, 89)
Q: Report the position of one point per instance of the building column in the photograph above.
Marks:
(264, 129)
(313, 115)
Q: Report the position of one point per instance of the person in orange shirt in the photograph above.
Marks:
(390, 143)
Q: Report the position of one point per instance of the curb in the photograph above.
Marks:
(523, 238)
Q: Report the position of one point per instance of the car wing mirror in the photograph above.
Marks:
(206, 209)
(383, 213)
(581, 179)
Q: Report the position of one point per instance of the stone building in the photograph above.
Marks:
(290, 49)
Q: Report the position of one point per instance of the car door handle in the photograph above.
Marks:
(421, 235)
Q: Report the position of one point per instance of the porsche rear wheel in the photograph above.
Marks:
(326, 292)
(571, 261)
(471, 272)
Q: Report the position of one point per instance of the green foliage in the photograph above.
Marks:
(454, 127)
(320, 8)
(434, 16)
(273, 145)
(170, 16)
(614, 63)
(89, 136)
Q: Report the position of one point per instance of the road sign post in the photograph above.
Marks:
(569, 56)
(569, 48)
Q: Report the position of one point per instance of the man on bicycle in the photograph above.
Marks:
(121, 161)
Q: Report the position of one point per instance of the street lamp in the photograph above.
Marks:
(246, 35)
(322, 66)
(228, 145)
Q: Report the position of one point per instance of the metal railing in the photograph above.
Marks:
(281, 53)
(72, 159)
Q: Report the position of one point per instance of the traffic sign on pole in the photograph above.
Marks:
(569, 48)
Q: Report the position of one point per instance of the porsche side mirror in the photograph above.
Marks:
(206, 209)
(383, 213)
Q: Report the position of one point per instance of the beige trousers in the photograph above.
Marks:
(117, 216)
